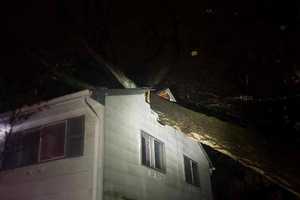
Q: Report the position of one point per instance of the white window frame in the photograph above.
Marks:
(38, 151)
(65, 143)
(152, 152)
(191, 161)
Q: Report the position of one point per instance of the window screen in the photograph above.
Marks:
(152, 152)
(63, 139)
(196, 180)
(22, 149)
(158, 151)
(30, 148)
(187, 170)
(52, 144)
(191, 171)
(75, 136)
(145, 150)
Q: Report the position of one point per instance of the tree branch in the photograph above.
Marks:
(270, 158)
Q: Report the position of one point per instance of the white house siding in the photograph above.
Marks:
(124, 176)
(65, 179)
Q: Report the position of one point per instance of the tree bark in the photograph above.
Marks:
(278, 162)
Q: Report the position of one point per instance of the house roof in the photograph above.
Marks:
(26, 109)
(166, 94)
(96, 93)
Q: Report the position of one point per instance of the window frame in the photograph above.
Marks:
(191, 170)
(65, 141)
(18, 148)
(151, 150)
(38, 131)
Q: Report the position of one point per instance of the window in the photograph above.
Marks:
(22, 149)
(191, 171)
(51, 142)
(152, 151)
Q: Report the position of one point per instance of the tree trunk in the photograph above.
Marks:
(278, 162)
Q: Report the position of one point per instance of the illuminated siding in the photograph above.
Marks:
(120, 121)
(65, 179)
(124, 176)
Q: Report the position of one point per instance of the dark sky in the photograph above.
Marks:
(229, 32)
(243, 47)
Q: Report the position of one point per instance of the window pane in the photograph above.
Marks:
(145, 151)
(152, 152)
(158, 154)
(30, 148)
(52, 142)
(75, 137)
(22, 149)
(13, 151)
(187, 170)
(196, 180)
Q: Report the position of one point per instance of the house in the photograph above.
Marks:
(101, 145)
(166, 94)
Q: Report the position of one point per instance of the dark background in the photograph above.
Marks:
(246, 71)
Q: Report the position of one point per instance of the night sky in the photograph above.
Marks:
(246, 50)
(236, 60)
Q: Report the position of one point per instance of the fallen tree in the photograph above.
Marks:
(276, 161)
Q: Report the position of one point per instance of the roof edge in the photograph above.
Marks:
(83, 93)
(127, 91)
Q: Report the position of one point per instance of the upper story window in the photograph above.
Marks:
(53, 142)
(60, 140)
(191, 171)
(152, 152)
